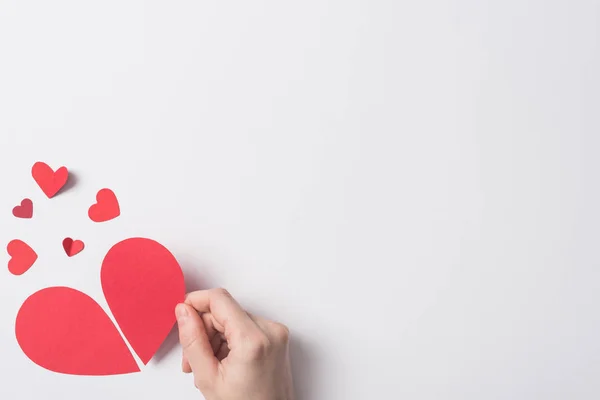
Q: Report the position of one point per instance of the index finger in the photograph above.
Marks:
(224, 309)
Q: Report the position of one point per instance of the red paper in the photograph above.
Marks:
(66, 331)
(106, 207)
(72, 247)
(22, 257)
(25, 210)
(142, 282)
(49, 181)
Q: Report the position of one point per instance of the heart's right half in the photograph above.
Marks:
(142, 282)
(66, 331)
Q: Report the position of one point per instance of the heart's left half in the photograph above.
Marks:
(66, 331)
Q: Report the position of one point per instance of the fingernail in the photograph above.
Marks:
(181, 312)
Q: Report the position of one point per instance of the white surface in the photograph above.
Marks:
(411, 186)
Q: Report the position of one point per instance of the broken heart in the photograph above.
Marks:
(142, 283)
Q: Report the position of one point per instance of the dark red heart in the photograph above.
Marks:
(25, 210)
(65, 331)
(72, 247)
(22, 257)
(106, 207)
(49, 181)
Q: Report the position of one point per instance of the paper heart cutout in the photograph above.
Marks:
(106, 207)
(72, 247)
(49, 181)
(66, 331)
(22, 257)
(142, 283)
(24, 210)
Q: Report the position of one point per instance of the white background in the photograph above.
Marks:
(411, 186)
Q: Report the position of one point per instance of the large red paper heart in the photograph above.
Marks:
(106, 207)
(142, 282)
(72, 247)
(22, 257)
(65, 331)
(25, 210)
(49, 181)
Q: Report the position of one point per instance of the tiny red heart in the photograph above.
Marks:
(106, 207)
(49, 181)
(72, 247)
(25, 210)
(22, 257)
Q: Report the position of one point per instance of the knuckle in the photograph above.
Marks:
(222, 292)
(188, 341)
(258, 347)
(188, 336)
(280, 332)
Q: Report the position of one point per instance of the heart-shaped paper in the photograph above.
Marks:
(72, 247)
(106, 207)
(49, 181)
(22, 257)
(142, 282)
(66, 331)
(24, 210)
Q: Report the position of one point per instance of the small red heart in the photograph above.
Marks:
(22, 257)
(72, 247)
(25, 210)
(66, 331)
(49, 181)
(106, 207)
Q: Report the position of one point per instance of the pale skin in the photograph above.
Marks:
(233, 354)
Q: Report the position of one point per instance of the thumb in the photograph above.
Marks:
(196, 347)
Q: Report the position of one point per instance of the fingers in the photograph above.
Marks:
(196, 346)
(248, 338)
(226, 312)
(215, 338)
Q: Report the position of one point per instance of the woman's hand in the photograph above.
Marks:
(233, 355)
